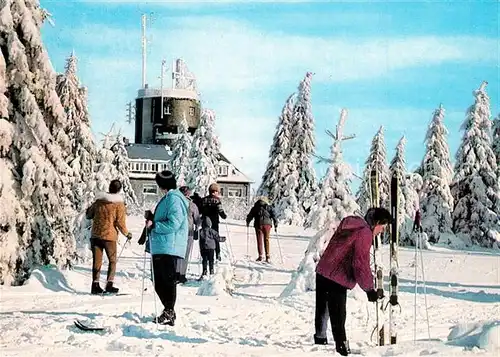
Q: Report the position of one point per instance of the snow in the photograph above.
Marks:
(482, 334)
(37, 318)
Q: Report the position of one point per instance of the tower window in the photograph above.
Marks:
(191, 111)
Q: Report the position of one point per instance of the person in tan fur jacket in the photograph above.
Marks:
(108, 217)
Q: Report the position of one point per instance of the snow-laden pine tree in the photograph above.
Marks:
(287, 206)
(83, 150)
(276, 172)
(82, 147)
(335, 200)
(475, 186)
(204, 154)
(436, 203)
(496, 139)
(180, 153)
(121, 163)
(105, 170)
(377, 160)
(304, 145)
(36, 217)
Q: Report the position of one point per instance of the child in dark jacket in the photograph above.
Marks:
(208, 238)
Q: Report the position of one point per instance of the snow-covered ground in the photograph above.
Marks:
(37, 319)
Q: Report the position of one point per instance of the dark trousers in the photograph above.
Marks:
(330, 303)
(207, 256)
(263, 234)
(98, 246)
(164, 267)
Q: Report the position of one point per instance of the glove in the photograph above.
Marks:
(129, 236)
(372, 295)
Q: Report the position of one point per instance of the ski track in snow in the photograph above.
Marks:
(37, 318)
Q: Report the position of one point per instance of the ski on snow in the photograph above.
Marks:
(87, 327)
(377, 259)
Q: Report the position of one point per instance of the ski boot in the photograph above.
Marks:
(342, 348)
(320, 340)
(96, 289)
(110, 289)
(167, 317)
(259, 259)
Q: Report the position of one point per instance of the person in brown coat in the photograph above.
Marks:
(108, 217)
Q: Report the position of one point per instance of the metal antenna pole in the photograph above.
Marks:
(144, 43)
(163, 62)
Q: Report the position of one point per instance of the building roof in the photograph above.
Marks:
(148, 152)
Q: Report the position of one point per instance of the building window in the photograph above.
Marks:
(191, 111)
(222, 170)
(235, 192)
(149, 189)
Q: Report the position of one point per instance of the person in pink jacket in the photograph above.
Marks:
(345, 263)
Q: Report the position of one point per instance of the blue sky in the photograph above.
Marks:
(389, 63)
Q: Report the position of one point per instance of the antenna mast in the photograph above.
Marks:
(163, 62)
(144, 42)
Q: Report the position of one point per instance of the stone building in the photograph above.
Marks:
(158, 114)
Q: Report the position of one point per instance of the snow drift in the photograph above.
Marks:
(483, 334)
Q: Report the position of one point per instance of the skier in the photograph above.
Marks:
(345, 262)
(194, 224)
(211, 207)
(208, 239)
(263, 216)
(168, 233)
(108, 215)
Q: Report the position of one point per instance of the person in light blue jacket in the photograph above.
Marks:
(168, 236)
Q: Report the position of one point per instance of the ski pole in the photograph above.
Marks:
(153, 278)
(248, 243)
(143, 278)
(279, 245)
(425, 292)
(415, 298)
(230, 250)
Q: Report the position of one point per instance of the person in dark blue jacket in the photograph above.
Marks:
(208, 242)
(168, 234)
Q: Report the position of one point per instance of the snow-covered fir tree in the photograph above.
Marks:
(204, 154)
(36, 217)
(105, 171)
(83, 150)
(436, 203)
(475, 186)
(180, 153)
(287, 206)
(377, 160)
(121, 163)
(276, 171)
(335, 200)
(304, 145)
(496, 139)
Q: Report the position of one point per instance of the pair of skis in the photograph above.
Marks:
(377, 259)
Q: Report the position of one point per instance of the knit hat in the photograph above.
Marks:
(166, 180)
(213, 188)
